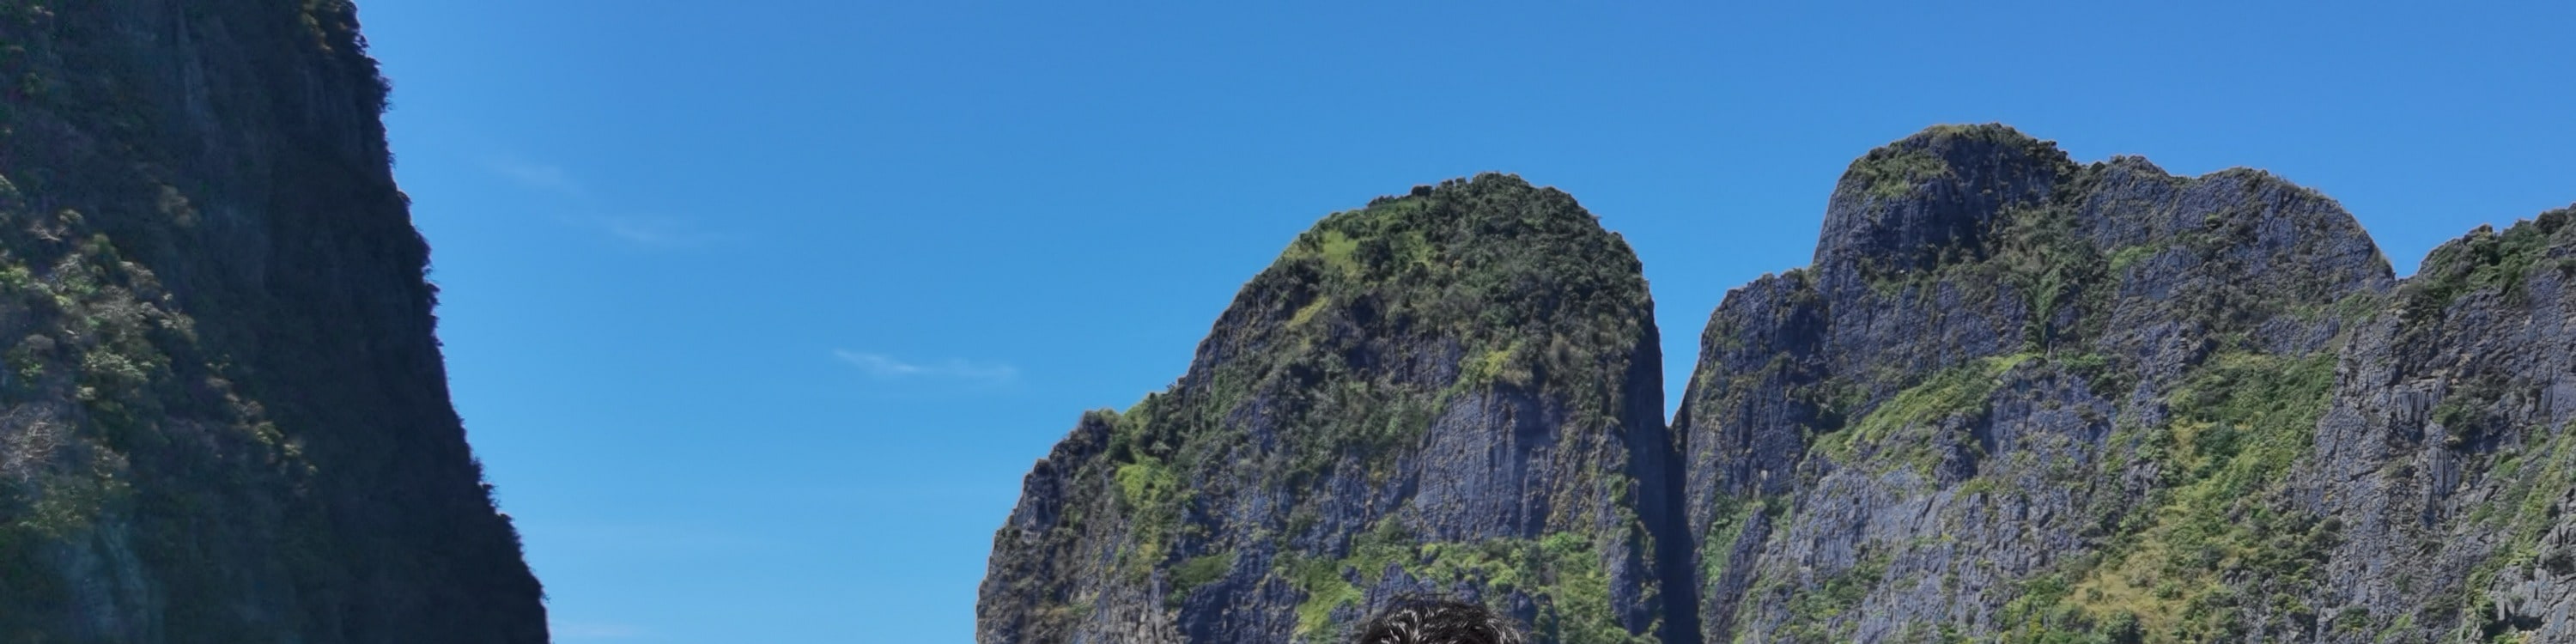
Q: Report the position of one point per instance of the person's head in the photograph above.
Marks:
(1431, 620)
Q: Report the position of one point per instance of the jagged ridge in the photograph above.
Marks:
(2023, 400)
(2016, 398)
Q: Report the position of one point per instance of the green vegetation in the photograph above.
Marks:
(2214, 542)
(1326, 590)
(1890, 432)
(2463, 412)
(1326, 584)
(2486, 260)
(2210, 554)
(1893, 172)
(1529, 288)
(1537, 299)
(2528, 505)
(2039, 252)
(2042, 612)
(1814, 609)
(1717, 549)
(1195, 572)
(103, 339)
(2525, 509)
(1496, 366)
(1561, 572)
(263, 442)
(2124, 258)
(1152, 495)
(1320, 376)
(2032, 252)
(1335, 361)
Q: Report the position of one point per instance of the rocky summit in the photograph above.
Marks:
(1455, 390)
(2015, 398)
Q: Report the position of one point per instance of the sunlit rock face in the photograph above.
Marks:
(1455, 391)
(2019, 399)
(2015, 398)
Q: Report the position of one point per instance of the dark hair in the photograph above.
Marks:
(1433, 620)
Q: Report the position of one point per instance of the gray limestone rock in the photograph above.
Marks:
(2015, 399)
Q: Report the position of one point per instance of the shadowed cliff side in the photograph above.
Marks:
(226, 417)
(1452, 391)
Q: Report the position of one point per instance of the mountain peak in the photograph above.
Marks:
(2096, 402)
(1897, 207)
(1456, 389)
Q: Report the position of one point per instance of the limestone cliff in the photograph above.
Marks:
(2015, 396)
(1452, 391)
(223, 414)
(2014, 399)
(2019, 399)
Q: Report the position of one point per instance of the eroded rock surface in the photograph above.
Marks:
(2015, 398)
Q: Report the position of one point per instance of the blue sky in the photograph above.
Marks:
(757, 311)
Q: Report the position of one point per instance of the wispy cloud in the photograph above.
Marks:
(594, 631)
(884, 367)
(636, 230)
(535, 176)
(653, 232)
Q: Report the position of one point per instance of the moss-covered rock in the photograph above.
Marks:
(2222, 419)
(1455, 390)
(2016, 399)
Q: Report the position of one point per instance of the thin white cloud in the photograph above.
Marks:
(884, 367)
(535, 176)
(594, 631)
(657, 232)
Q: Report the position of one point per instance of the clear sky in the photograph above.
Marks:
(758, 310)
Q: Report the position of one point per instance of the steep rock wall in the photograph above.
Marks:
(226, 414)
(1451, 391)
(2014, 399)
(2019, 399)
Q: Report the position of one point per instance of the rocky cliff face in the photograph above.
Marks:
(223, 415)
(2021, 400)
(2015, 398)
(1451, 391)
